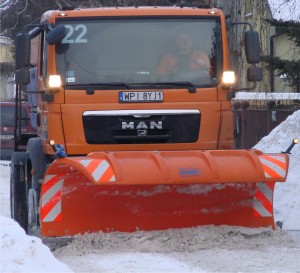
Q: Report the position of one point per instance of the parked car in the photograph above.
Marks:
(7, 127)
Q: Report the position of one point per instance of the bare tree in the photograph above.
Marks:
(15, 14)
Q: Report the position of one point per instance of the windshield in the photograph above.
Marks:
(145, 51)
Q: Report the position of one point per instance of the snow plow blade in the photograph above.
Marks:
(137, 190)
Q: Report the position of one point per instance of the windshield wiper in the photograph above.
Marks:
(91, 86)
(190, 86)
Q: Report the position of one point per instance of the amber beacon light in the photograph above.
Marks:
(294, 142)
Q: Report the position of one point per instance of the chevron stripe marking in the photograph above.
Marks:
(273, 166)
(264, 201)
(269, 172)
(52, 210)
(93, 165)
(277, 160)
(49, 182)
(108, 175)
(51, 195)
(100, 169)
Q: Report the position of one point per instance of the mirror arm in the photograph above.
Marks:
(245, 88)
(35, 32)
(37, 28)
(242, 23)
(231, 93)
(35, 92)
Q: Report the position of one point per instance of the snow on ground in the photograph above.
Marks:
(286, 195)
(22, 253)
(199, 249)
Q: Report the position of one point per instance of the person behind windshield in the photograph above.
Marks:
(184, 60)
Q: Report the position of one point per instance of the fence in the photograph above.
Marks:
(251, 125)
(257, 114)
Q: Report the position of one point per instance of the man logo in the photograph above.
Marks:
(142, 132)
(150, 125)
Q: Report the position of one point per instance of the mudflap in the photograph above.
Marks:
(131, 190)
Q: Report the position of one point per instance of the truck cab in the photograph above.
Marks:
(102, 84)
(101, 88)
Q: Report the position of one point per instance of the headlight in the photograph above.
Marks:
(54, 81)
(228, 78)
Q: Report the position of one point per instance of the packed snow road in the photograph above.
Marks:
(202, 249)
(295, 234)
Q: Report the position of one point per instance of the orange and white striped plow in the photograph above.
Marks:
(138, 190)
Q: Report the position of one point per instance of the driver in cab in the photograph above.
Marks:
(184, 59)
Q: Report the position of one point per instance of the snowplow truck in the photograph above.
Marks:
(133, 132)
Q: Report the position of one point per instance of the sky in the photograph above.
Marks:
(285, 9)
(199, 249)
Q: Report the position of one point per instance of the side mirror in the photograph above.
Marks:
(22, 76)
(254, 74)
(56, 35)
(23, 50)
(252, 47)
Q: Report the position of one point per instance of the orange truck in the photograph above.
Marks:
(124, 145)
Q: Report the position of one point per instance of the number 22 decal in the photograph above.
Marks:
(79, 32)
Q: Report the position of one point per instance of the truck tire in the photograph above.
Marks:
(18, 206)
(39, 160)
(36, 166)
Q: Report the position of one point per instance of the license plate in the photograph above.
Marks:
(141, 96)
(7, 137)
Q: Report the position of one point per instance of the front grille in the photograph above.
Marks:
(141, 127)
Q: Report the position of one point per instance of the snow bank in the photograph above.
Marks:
(286, 195)
(265, 96)
(22, 253)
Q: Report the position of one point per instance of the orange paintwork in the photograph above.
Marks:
(75, 142)
(178, 185)
(130, 11)
(68, 130)
(157, 190)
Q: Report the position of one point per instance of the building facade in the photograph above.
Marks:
(6, 68)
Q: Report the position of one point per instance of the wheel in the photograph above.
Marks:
(33, 213)
(35, 168)
(18, 207)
